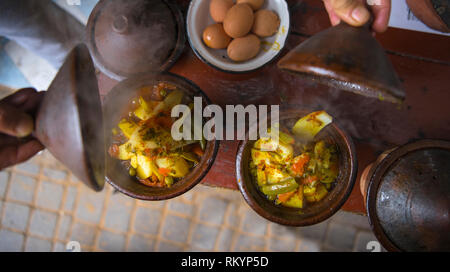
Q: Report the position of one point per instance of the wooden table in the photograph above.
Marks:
(421, 60)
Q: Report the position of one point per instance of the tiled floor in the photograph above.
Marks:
(43, 207)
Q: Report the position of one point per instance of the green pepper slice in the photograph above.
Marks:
(286, 186)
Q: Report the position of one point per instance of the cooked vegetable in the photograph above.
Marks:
(145, 111)
(142, 140)
(293, 169)
(173, 99)
(285, 151)
(133, 162)
(285, 197)
(177, 167)
(127, 128)
(266, 144)
(259, 157)
(309, 191)
(126, 151)
(261, 177)
(275, 175)
(281, 187)
(309, 126)
(283, 137)
(169, 181)
(320, 193)
(296, 201)
(189, 156)
(144, 169)
(298, 165)
(155, 171)
(310, 180)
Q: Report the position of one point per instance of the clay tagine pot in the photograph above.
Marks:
(407, 193)
(131, 38)
(69, 122)
(312, 214)
(117, 104)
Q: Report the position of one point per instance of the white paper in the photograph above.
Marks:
(402, 17)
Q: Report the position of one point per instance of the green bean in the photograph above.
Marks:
(286, 186)
(189, 157)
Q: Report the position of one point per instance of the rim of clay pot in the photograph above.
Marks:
(315, 213)
(376, 175)
(116, 174)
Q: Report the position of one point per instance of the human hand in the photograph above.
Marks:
(355, 13)
(16, 126)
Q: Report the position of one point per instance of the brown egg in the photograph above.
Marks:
(266, 23)
(245, 48)
(218, 9)
(254, 4)
(215, 37)
(238, 21)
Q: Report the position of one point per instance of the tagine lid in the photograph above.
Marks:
(346, 58)
(409, 197)
(130, 38)
(69, 122)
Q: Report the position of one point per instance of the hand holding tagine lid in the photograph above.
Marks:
(347, 58)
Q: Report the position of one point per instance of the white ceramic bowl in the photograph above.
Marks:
(198, 18)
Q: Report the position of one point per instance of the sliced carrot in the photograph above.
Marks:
(164, 171)
(299, 166)
(285, 197)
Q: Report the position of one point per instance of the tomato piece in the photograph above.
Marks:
(286, 196)
(164, 171)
